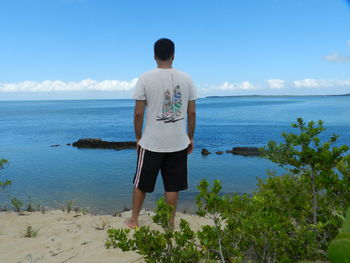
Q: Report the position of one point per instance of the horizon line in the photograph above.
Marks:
(206, 97)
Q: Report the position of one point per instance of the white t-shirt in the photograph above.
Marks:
(167, 92)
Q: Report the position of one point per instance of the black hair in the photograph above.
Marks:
(164, 48)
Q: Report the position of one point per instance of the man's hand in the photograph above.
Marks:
(190, 146)
(191, 121)
(137, 144)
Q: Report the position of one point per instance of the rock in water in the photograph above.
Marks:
(97, 143)
(245, 151)
(205, 152)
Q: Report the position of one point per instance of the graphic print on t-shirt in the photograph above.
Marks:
(171, 109)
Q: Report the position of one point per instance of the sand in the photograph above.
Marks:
(69, 237)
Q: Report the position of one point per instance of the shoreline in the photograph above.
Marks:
(70, 236)
(186, 205)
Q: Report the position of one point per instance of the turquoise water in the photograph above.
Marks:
(101, 180)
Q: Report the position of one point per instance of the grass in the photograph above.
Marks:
(30, 207)
(17, 204)
(30, 232)
(68, 206)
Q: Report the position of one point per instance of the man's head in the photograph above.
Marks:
(164, 49)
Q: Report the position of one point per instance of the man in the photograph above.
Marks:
(169, 96)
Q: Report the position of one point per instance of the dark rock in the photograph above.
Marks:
(219, 152)
(245, 151)
(205, 151)
(98, 143)
(125, 209)
(68, 144)
(55, 145)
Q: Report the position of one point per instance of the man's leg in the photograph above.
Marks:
(148, 164)
(137, 200)
(171, 199)
(174, 173)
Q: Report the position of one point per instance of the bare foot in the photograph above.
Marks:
(131, 224)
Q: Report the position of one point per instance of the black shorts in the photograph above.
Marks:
(173, 167)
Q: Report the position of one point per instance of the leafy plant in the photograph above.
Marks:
(17, 204)
(339, 249)
(40, 208)
(158, 246)
(305, 155)
(68, 206)
(5, 183)
(267, 226)
(30, 206)
(31, 232)
(291, 217)
(324, 169)
(257, 227)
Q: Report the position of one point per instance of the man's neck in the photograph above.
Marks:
(164, 66)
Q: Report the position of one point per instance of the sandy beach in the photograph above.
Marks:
(69, 237)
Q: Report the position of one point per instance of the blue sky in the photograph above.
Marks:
(78, 49)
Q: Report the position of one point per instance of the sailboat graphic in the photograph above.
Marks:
(171, 110)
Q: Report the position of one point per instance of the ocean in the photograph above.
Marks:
(101, 180)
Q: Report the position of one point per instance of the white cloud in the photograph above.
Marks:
(321, 83)
(245, 85)
(338, 58)
(57, 85)
(335, 57)
(276, 83)
(307, 83)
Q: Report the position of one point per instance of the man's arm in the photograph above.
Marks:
(138, 118)
(191, 122)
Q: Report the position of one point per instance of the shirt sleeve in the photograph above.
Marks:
(139, 92)
(192, 91)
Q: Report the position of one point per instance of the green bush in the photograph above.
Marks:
(5, 183)
(290, 217)
(245, 227)
(158, 246)
(17, 204)
(264, 227)
(324, 170)
(339, 249)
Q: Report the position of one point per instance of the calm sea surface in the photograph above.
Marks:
(101, 180)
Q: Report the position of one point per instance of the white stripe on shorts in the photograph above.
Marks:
(139, 167)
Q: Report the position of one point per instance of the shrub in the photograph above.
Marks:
(68, 206)
(30, 231)
(3, 164)
(339, 249)
(17, 204)
(291, 217)
(158, 246)
(256, 227)
(323, 168)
